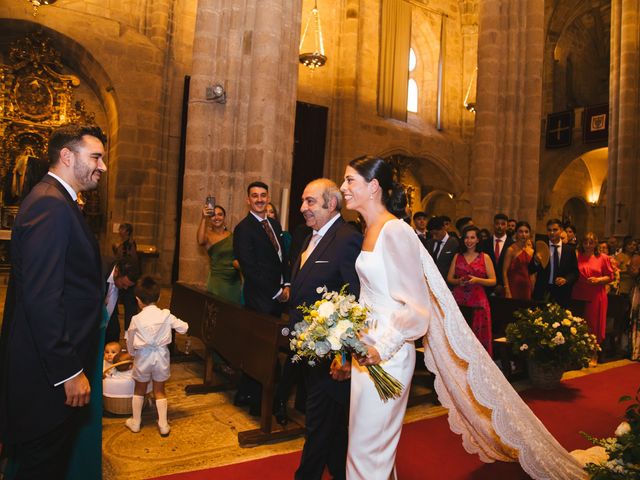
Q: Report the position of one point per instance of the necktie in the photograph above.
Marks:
(554, 265)
(270, 234)
(496, 251)
(312, 245)
(436, 249)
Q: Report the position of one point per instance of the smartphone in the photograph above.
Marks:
(210, 202)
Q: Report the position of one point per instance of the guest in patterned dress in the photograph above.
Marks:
(595, 273)
(470, 272)
(518, 282)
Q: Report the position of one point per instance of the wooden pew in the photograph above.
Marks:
(247, 340)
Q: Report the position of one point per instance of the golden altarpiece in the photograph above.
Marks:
(35, 98)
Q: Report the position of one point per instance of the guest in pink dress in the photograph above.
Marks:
(469, 273)
(518, 282)
(595, 273)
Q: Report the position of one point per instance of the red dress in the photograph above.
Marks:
(595, 312)
(474, 296)
(518, 276)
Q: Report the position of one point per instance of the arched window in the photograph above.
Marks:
(412, 90)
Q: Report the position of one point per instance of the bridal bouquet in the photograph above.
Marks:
(330, 327)
(622, 452)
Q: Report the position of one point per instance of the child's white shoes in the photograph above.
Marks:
(132, 425)
(164, 429)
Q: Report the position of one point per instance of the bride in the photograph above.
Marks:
(408, 299)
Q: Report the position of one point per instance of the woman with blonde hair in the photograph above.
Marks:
(595, 273)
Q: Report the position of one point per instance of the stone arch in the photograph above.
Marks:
(576, 212)
(426, 166)
(583, 178)
(439, 202)
(76, 57)
(81, 62)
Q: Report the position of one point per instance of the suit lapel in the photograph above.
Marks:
(324, 243)
(74, 208)
(268, 246)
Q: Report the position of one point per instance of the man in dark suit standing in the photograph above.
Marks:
(496, 247)
(441, 245)
(50, 332)
(122, 275)
(327, 259)
(259, 248)
(420, 226)
(557, 278)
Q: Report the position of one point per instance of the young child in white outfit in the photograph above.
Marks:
(147, 338)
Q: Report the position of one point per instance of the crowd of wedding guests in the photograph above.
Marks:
(508, 261)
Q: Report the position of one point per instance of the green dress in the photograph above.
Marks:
(224, 280)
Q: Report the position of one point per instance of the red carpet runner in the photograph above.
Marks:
(430, 451)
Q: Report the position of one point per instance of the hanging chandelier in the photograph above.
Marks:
(316, 57)
(469, 103)
(39, 3)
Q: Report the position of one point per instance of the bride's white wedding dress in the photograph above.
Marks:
(484, 409)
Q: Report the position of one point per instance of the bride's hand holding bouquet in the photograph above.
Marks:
(330, 327)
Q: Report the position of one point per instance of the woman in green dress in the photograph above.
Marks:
(224, 270)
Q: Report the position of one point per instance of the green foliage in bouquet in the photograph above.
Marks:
(551, 335)
(623, 449)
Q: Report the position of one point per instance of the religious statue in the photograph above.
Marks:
(27, 170)
(20, 171)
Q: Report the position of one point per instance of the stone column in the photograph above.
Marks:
(251, 48)
(506, 147)
(623, 197)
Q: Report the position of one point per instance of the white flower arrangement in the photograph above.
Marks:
(330, 326)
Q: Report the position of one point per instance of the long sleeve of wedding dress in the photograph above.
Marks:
(405, 284)
(483, 407)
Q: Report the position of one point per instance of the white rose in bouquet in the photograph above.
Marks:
(326, 309)
(336, 332)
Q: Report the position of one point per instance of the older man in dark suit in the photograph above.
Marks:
(259, 248)
(327, 259)
(50, 332)
(441, 245)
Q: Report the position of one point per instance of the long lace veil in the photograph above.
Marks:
(483, 407)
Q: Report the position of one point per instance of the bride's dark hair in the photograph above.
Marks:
(393, 194)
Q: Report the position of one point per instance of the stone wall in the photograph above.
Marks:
(133, 56)
(347, 85)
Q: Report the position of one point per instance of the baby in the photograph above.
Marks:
(148, 336)
(111, 349)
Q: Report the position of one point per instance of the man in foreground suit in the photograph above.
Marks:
(496, 247)
(441, 245)
(50, 331)
(259, 248)
(328, 258)
(557, 278)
